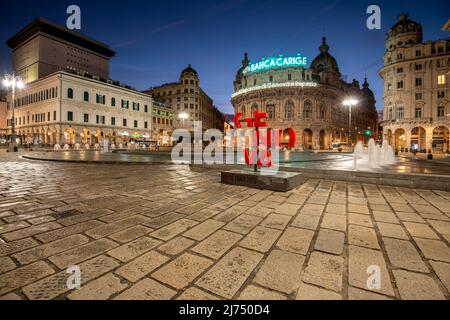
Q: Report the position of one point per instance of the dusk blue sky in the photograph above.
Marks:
(155, 40)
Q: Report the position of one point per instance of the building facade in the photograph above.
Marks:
(68, 97)
(162, 123)
(307, 100)
(188, 101)
(416, 113)
(65, 108)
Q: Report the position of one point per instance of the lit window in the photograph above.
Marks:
(442, 79)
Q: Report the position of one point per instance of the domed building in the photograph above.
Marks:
(416, 113)
(308, 100)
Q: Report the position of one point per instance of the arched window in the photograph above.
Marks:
(271, 110)
(113, 102)
(322, 111)
(70, 93)
(86, 96)
(289, 110)
(254, 109)
(389, 113)
(243, 110)
(307, 110)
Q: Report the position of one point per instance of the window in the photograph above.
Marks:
(418, 113)
(145, 124)
(145, 108)
(271, 110)
(418, 82)
(441, 111)
(399, 56)
(400, 84)
(135, 123)
(254, 82)
(390, 113)
(441, 94)
(70, 93)
(307, 110)
(289, 110)
(101, 99)
(322, 112)
(389, 87)
(86, 117)
(113, 102)
(69, 116)
(418, 95)
(399, 70)
(113, 121)
(441, 79)
(418, 66)
(271, 78)
(124, 122)
(54, 115)
(86, 96)
(97, 119)
(418, 53)
(400, 112)
(125, 104)
(289, 77)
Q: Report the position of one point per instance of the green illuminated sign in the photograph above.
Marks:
(368, 132)
(276, 62)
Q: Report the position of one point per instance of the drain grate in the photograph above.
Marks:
(66, 214)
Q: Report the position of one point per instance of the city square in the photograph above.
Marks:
(295, 167)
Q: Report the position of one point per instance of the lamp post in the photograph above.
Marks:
(350, 103)
(13, 82)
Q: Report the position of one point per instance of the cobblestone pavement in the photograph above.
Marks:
(169, 232)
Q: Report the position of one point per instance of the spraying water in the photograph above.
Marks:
(374, 156)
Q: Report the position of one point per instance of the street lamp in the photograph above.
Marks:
(13, 82)
(350, 103)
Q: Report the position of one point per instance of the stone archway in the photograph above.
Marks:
(307, 139)
(418, 139)
(390, 137)
(69, 136)
(440, 140)
(399, 139)
(322, 138)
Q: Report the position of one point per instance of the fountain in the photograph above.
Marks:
(374, 156)
(120, 146)
(113, 146)
(86, 146)
(66, 147)
(77, 146)
(57, 147)
(96, 146)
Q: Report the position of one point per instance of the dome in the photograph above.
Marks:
(404, 32)
(189, 71)
(239, 73)
(325, 61)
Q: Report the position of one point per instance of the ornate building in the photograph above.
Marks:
(307, 100)
(68, 97)
(189, 102)
(416, 111)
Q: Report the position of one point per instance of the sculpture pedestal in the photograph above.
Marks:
(277, 181)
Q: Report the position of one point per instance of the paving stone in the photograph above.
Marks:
(434, 249)
(243, 224)
(325, 270)
(362, 236)
(180, 272)
(360, 220)
(314, 209)
(383, 216)
(203, 215)
(133, 249)
(259, 211)
(260, 239)
(196, 294)
(358, 208)
(409, 216)
(68, 231)
(415, 286)
(392, 230)
(252, 292)
(281, 271)
(16, 246)
(130, 234)
(306, 221)
(99, 289)
(176, 246)
(20, 277)
(334, 221)
(443, 272)
(288, 209)
(359, 260)
(229, 274)
(141, 266)
(49, 249)
(295, 240)
(308, 292)
(147, 289)
(116, 226)
(30, 231)
(10, 297)
(420, 230)
(82, 253)
(330, 241)
(13, 226)
(231, 213)
(173, 229)
(358, 294)
(276, 221)
(402, 254)
(163, 220)
(442, 227)
(6, 264)
(217, 244)
(336, 209)
(204, 229)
